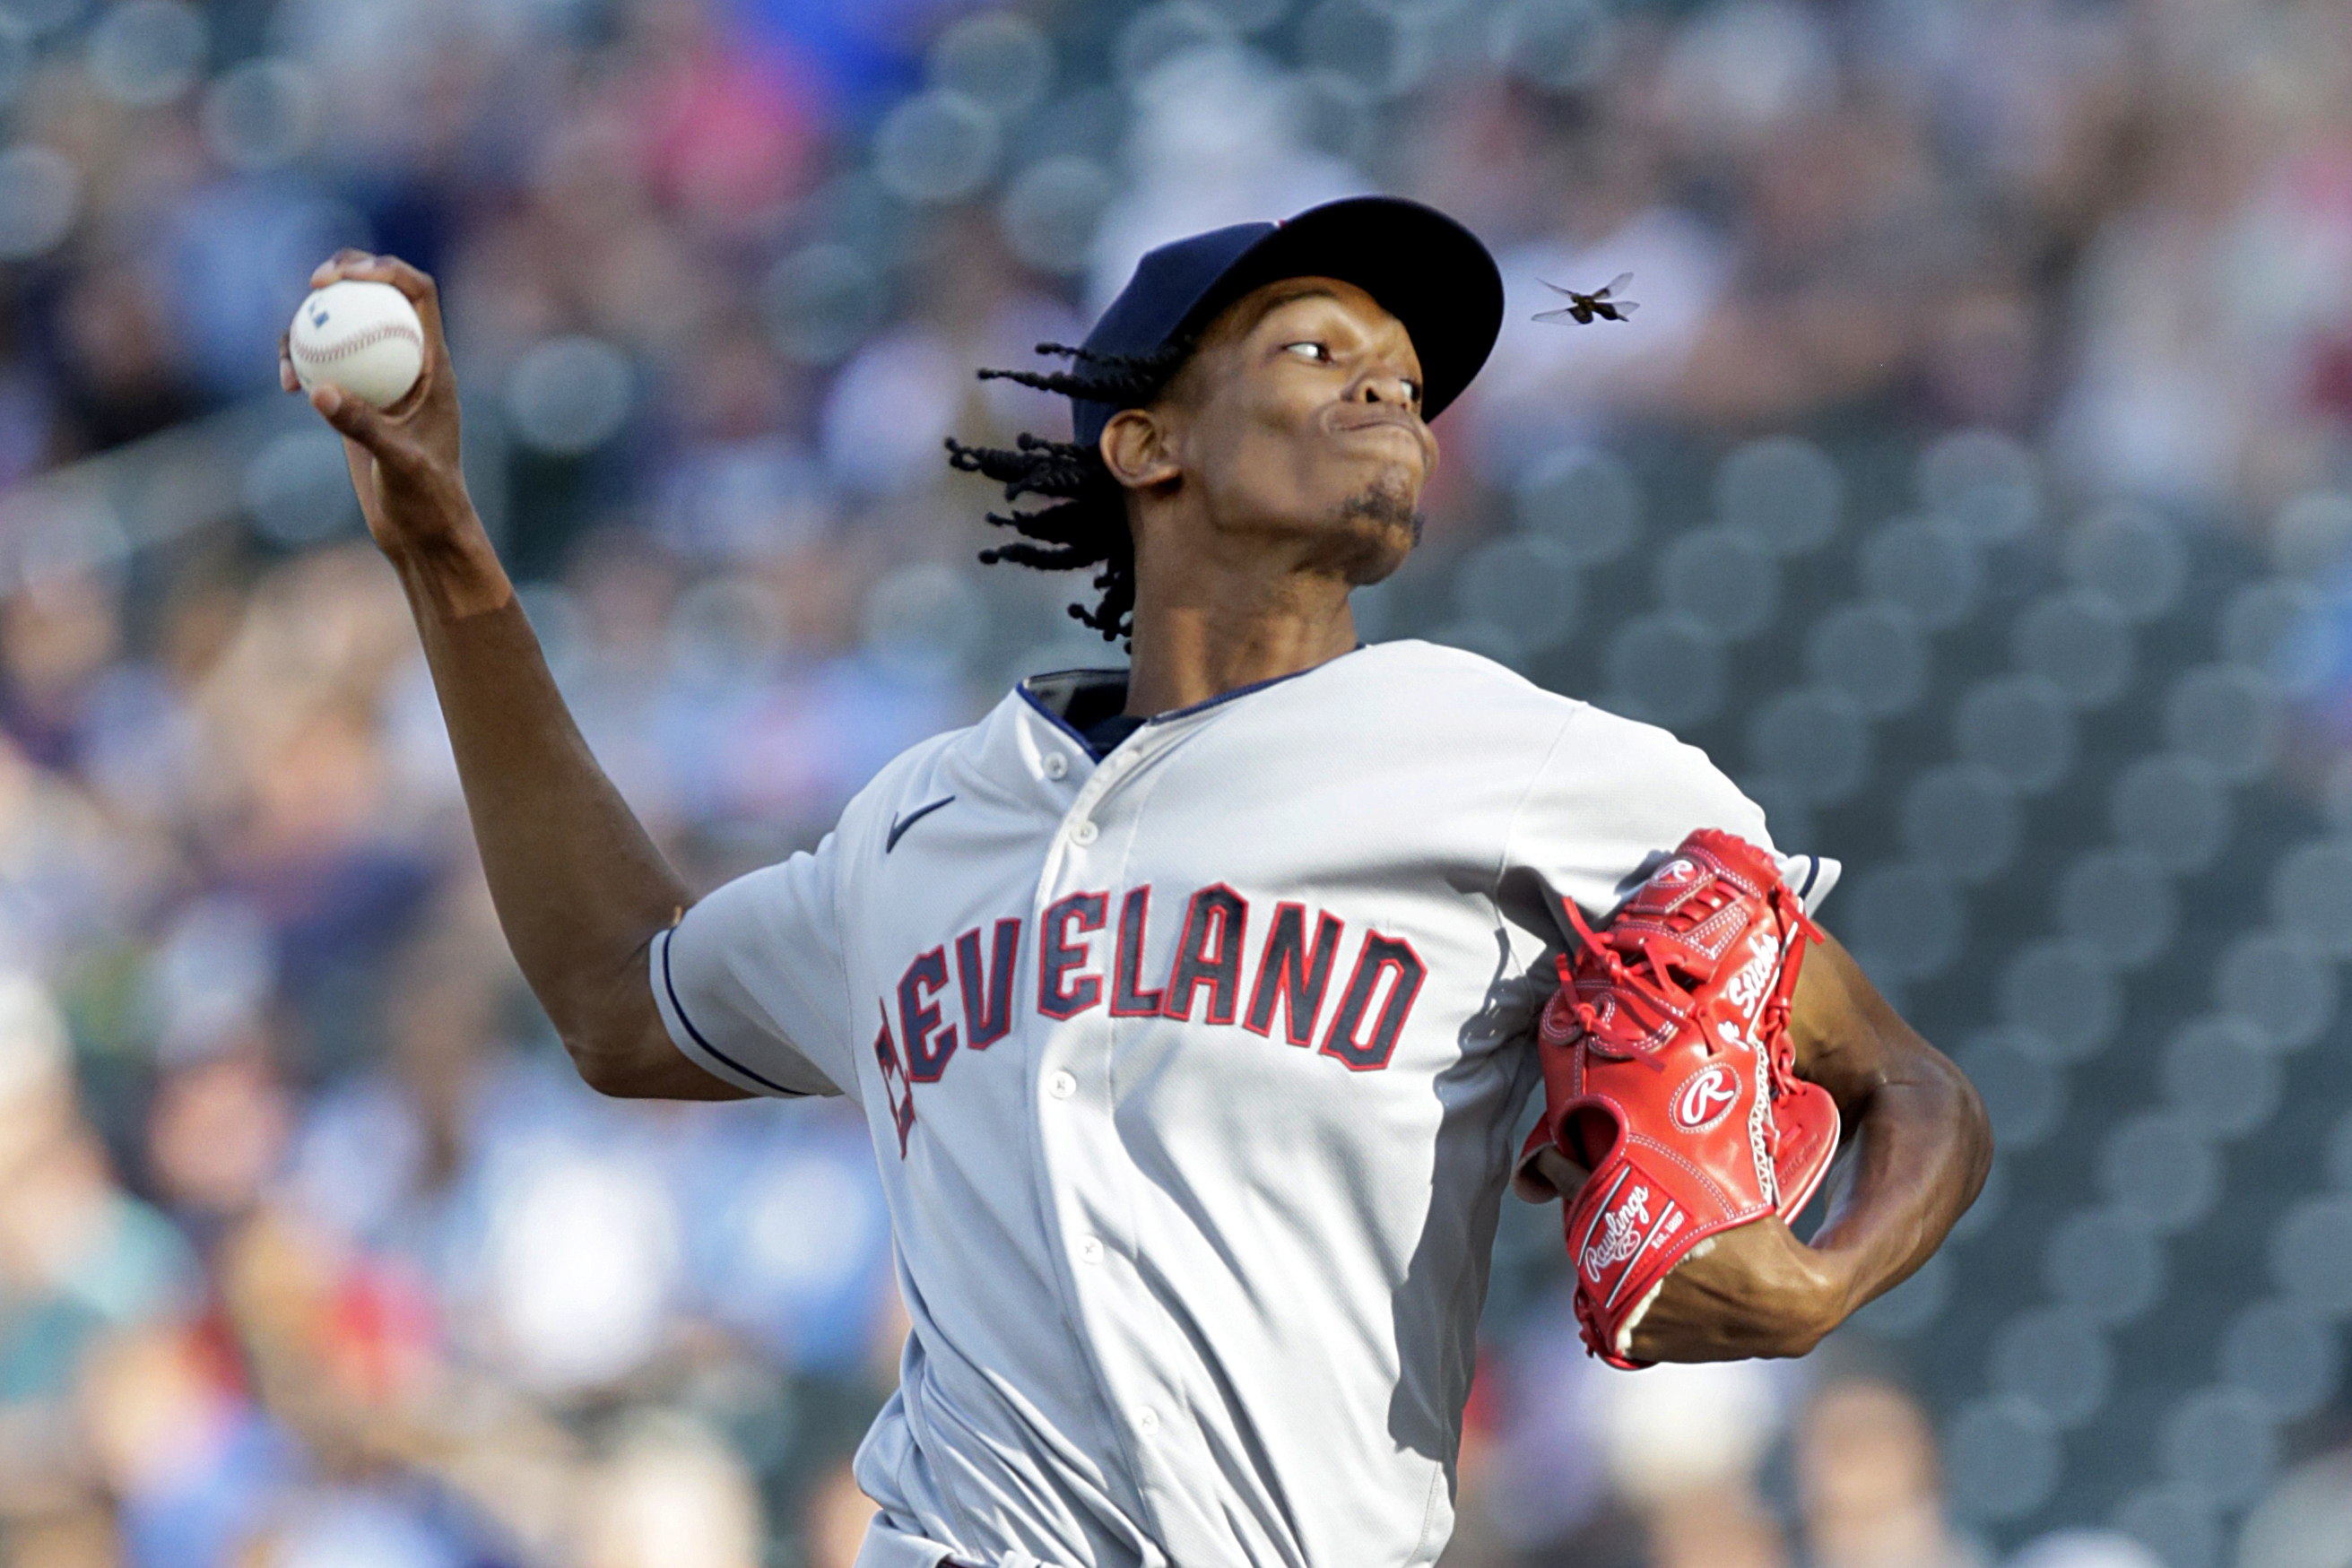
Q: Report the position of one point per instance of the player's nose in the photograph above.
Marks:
(1389, 386)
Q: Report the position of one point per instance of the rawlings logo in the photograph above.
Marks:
(1705, 1098)
(1619, 1234)
(1673, 874)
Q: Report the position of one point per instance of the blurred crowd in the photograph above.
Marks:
(311, 1249)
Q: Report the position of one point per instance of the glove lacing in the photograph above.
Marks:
(1651, 979)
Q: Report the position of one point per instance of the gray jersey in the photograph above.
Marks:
(1191, 1074)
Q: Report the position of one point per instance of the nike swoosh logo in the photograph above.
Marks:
(899, 827)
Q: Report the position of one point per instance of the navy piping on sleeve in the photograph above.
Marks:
(679, 1008)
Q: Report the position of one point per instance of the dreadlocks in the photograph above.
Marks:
(1087, 526)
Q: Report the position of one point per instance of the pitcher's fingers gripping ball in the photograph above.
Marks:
(361, 336)
(1669, 1075)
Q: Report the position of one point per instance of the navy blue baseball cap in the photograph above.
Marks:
(1425, 269)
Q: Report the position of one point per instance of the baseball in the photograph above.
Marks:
(361, 337)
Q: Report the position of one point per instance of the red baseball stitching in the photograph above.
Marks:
(367, 338)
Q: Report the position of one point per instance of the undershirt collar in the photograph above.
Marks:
(1103, 736)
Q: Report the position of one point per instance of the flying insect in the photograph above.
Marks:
(1583, 309)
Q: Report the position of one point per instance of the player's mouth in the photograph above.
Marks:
(1380, 416)
(1375, 422)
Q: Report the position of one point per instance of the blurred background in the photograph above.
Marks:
(1975, 482)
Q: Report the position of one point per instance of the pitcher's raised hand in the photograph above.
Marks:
(404, 458)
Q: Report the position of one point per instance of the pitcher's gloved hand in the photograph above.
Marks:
(1668, 1075)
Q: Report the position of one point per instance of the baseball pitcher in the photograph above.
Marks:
(1193, 1006)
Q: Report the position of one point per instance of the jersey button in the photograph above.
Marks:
(1084, 832)
(1056, 765)
(1090, 1249)
(1060, 1086)
(1147, 1418)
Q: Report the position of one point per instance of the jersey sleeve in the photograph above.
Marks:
(1615, 797)
(751, 985)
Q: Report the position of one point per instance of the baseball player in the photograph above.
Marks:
(1190, 1005)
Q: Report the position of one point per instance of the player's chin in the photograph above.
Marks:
(1377, 526)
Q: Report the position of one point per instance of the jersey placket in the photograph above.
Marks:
(1082, 1169)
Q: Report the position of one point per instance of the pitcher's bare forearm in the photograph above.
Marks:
(1923, 1141)
(580, 888)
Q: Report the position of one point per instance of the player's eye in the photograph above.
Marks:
(1310, 350)
(1412, 390)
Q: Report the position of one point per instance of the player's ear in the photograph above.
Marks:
(1138, 449)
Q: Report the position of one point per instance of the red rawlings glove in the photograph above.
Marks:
(1668, 1074)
